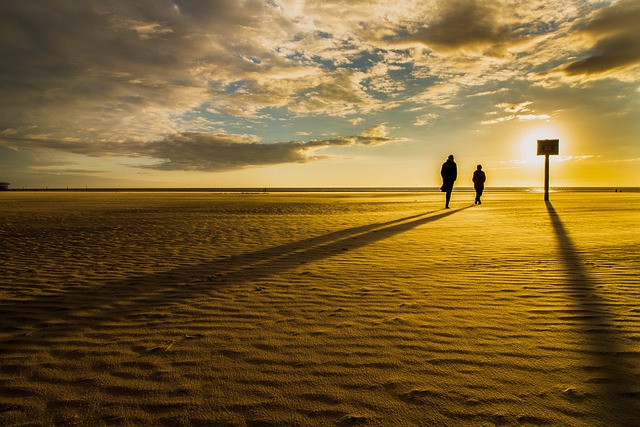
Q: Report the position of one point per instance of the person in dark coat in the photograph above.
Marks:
(479, 179)
(449, 173)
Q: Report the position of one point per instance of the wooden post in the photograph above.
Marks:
(547, 147)
(546, 177)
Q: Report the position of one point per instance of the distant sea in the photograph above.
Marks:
(338, 189)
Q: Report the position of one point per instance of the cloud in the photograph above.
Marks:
(615, 39)
(490, 92)
(198, 85)
(515, 108)
(518, 111)
(528, 117)
(203, 152)
(192, 151)
(468, 26)
(425, 119)
(119, 70)
(441, 94)
(575, 158)
(92, 66)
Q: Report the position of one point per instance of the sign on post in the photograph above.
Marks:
(546, 148)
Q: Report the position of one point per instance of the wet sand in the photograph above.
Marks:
(319, 309)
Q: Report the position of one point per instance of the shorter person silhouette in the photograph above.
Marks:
(479, 178)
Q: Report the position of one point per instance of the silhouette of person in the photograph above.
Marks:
(479, 178)
(449, 173)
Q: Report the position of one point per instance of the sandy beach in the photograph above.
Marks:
(316, 309)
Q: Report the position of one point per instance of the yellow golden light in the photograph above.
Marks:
(527, 142)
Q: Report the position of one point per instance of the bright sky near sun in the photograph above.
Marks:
(323, 93)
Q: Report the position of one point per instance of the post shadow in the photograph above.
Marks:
(615, 366)
(128, 298)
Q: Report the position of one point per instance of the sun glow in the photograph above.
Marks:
(527, 142)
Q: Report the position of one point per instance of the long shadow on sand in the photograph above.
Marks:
(614, 366)
(98, 305)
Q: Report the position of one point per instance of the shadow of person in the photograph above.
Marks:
(100, 304)
(614, 368)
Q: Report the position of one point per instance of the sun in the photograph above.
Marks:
(527, 142)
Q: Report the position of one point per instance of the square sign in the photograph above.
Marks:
(547, 147)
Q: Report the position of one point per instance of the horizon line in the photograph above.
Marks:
(317, 189)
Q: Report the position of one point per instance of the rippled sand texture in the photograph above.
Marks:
(319, 309)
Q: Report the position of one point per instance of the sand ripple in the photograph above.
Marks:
(319, 309)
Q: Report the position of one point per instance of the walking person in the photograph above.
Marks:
(449, 173)
(479, 178)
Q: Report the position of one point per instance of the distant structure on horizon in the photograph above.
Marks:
(4, 186)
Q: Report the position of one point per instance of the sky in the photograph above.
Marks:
(324, 93)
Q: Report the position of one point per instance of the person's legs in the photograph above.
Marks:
(447, 199)
(478, 195)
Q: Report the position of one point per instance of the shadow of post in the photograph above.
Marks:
(603, 344)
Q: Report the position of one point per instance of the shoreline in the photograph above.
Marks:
(253, 190)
